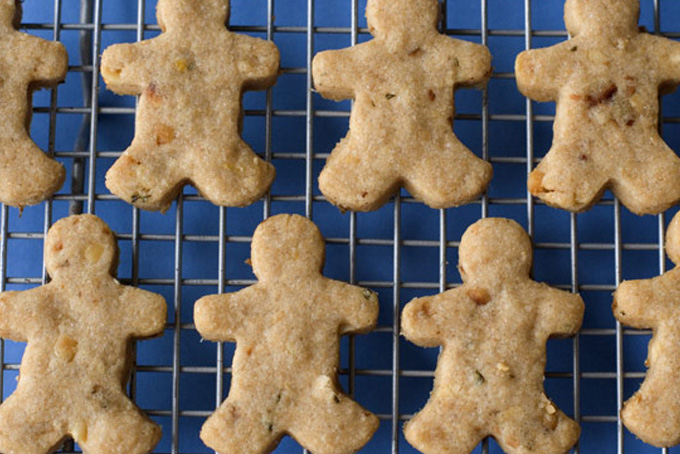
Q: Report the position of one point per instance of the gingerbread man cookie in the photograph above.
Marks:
(606, 80)
(493, 329)
(287, 330)
(27, 63)
(79, 330)
(191, 80)
(400, 133)
(653, 413)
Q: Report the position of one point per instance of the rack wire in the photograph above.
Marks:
(403, 250)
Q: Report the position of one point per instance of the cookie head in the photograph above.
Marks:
(602, 17)
(79, 244)
(181, 14)
(494, 248)
(389, 19)
(286, 246)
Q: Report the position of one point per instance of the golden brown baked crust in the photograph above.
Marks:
(79, 330)
(27, 175)
(191, 79)
(287, 328)
(606, 81)
(493, 329)
(653, 412)
(400, 133)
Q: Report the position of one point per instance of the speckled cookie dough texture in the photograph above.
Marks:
(607, 81)
(79, 330)
(400, 131)
(191, 79)
(27, 175)
(653, 413)
(287, 330)
(493, 331)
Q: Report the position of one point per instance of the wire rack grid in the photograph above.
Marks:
(403, 250)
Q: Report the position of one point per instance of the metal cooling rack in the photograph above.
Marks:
(572, 379)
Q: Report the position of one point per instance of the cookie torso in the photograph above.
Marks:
(414, 93)
(498, 356)
(167, 112)
(607, 90)
(15, 80)
(262, 349)
(83, 340)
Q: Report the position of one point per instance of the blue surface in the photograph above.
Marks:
(419, 270)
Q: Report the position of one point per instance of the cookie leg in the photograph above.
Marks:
(651, 421)
(353, 179)
(27, 175)
(233, 179)
(568, 178)
(447, 178)
(238, 429)
(652, 184)
(145, 181)
(436, 430)
(122, 429)
(27, 429)
(652, 413)
(527, 430)
(332, 423)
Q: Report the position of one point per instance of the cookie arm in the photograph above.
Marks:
(145, 312)
(474, 64)
(51, 62)
(668, 59)
(428, 320)
(560, 313)
(124, 67)
(219, 317)
(640, 303)
(335, 72)
(19, 313)
(258, 61)
(541, 72)
(359, 307)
